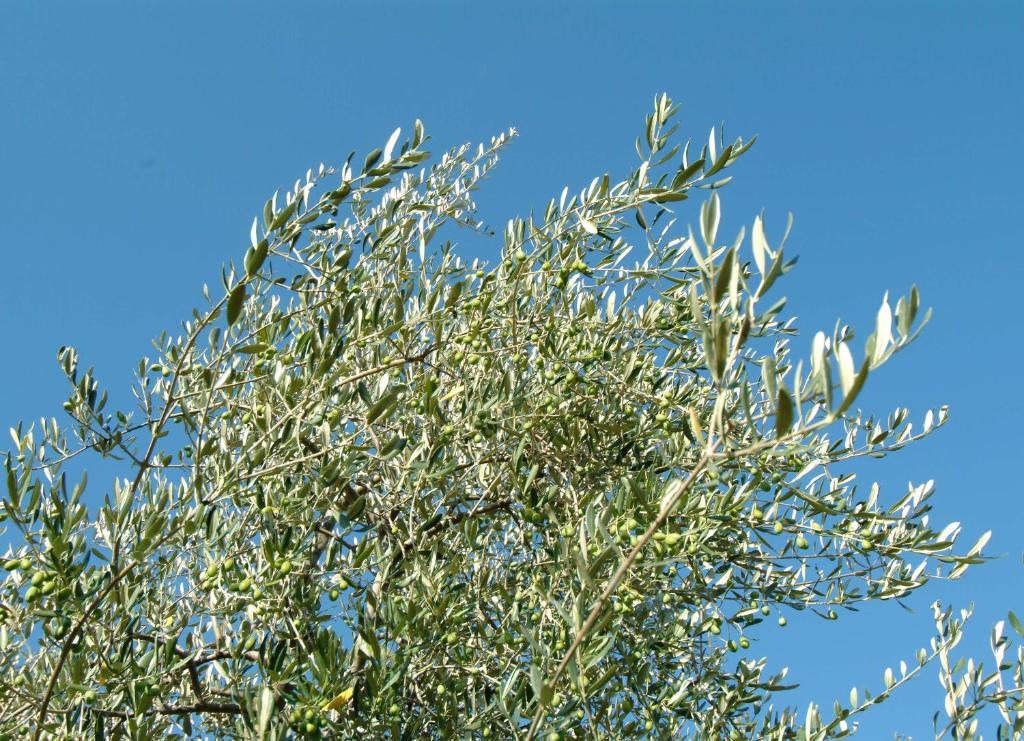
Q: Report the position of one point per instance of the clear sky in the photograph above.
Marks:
(137, 141)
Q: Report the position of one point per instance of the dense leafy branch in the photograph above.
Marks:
(375, 489)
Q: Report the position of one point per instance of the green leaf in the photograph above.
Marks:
(670, 196)
(13, 490)
(382, 405)
(783, 412)
(724, 275)
(268, 212)
(1016, 623)
(369, 644)
(284, 214)
(547, 692)
(255, 257)
(371, 159)
(710, 215)
(265, 709)
(393, 447)
(236, 299)
(721, 162)
(254, 348)
(685, 173)
(356, 508)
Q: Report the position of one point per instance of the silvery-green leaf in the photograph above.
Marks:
(710, 215)
(390, 146)
(760, 244)
(883, 330)
(588, 226)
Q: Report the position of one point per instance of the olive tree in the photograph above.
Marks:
(375, 488)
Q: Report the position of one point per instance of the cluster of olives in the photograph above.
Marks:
(18, 563)
(567, 269)
(864, 532)
(534, 516)
(265, 362)
(473, 344)
(663, 420)
(666, 542)
(625, 603)
(340, 586)
(227, 571)
(42, 583)
(307, 721)
(484, 425)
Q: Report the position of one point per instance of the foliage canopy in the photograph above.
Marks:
(374, 488)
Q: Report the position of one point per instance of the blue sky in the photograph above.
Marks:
(138, 140)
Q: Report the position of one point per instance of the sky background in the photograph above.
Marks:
(137, 141)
